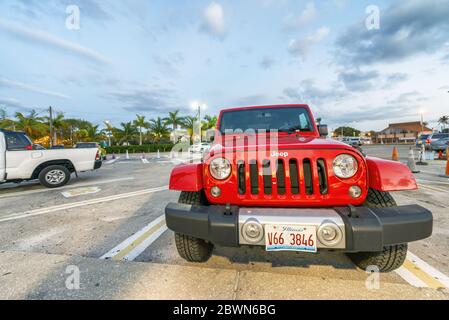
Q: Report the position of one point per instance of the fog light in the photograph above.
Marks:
(252, 231)
(215, 192)
(355, 192)
(329, 234)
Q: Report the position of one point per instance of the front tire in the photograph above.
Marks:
(189, 248)
(54, 176)
(391, 257)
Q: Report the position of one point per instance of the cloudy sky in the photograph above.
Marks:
(151, 57)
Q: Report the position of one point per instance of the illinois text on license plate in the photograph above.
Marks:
(290, 238)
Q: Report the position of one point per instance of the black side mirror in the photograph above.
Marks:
(322, 129)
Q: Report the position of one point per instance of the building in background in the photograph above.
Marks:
(405, 132)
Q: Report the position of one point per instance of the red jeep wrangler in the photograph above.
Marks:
(273, 179)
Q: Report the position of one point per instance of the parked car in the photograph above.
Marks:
(366, 141)
(440, 144)
(352, 141)
(199, 148)
(309, 194)
(437, 136)
(20, 160)
(422, 140)
(89, 145)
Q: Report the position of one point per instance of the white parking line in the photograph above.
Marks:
(145, 161)
(434, 182)
(111, 161)
(436, 274)
(37, 212)
(420, 274)
(71, 186)
(411, 278)
(132, 247)
(435, 189)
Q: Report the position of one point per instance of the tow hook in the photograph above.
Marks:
(228, 211)
(353, 212)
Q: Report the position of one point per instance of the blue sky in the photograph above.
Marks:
(151, 57)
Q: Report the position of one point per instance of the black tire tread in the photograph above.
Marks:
(379, 199)
(391, 257)
(190, 248)
(193, 249)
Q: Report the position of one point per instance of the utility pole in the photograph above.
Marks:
(199, 121)
(50, 110)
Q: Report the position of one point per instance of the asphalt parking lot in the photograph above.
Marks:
(109, 225)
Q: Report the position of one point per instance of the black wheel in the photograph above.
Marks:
(54, 176)
(190, 248)
(391, 257)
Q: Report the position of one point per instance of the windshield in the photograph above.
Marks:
(283, 119)
(440, 135)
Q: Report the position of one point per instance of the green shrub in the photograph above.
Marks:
(139, 149)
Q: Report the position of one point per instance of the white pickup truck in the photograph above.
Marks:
(20, 160)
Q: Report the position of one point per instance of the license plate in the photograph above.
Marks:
(290, 238)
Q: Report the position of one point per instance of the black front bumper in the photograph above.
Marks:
(366, 229)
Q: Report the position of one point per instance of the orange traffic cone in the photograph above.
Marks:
(395, 154)
(447, 153)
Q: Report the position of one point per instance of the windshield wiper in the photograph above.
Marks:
(294, 129)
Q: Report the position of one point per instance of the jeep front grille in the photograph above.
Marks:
(289, 176)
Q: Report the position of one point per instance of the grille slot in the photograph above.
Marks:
(308, 181)
(241, 177)
(322, 176)
(254, 177)
(267, 181)
(280, 177)
(294, 177)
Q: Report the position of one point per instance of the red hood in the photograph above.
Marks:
(284, 141)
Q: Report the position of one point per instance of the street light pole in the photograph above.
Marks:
(197, 105)
(50, 110)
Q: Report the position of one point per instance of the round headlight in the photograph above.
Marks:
(220, 168)
(345, 166)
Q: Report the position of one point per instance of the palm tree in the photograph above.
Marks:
(189, 124)
(5, 122)
(58, 125)
(127, 132)
(140, 123)
(173, 120)
(444, 121)
(210, 123)
(108, 130)
(31, 124)
(158, 128)
(93, 133)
